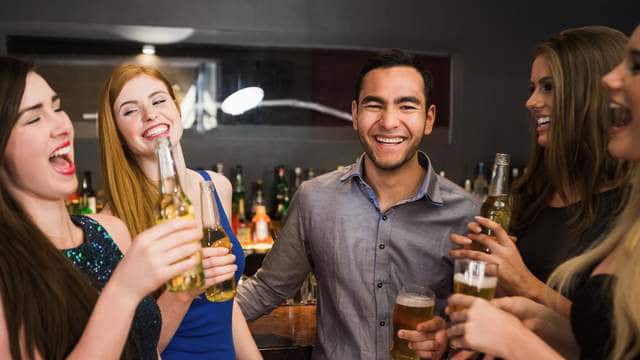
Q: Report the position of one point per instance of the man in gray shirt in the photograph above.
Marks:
(372, 227)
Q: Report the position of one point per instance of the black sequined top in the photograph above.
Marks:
(97, 257)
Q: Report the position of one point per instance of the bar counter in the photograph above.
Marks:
(288, 332)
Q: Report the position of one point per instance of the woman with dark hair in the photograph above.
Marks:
(66, 289)
(573, 188)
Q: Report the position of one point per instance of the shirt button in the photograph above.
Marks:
(382, 323)
(381, 246)
(379, 285)
(384, 217)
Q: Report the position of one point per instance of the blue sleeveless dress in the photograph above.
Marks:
(205, 331)
(97, 257)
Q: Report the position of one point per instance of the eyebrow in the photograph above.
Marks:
(54, 98)
(370, 99)
(410, 99)
(150, 96)
(546, 78)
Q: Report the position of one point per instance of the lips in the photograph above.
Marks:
(60, 159)
(621, 115)
(389, 140)
(156, 131)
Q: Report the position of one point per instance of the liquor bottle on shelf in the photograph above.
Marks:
(258, 196)
(280, 202)
(261, 229)
(297, 179)
(497, 206)
(87, 195)
(219, 168)
(237, 197)
(215, 236)
(480, 184)
(467, 185)
(174, 203)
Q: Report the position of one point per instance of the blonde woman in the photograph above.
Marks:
(137, 106)
(604, 281)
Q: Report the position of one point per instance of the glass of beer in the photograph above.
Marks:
(475, 278)
(414, 304)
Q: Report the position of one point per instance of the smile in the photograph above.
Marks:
(543, 120)
(61, 160)
(389, 140)
(621, 115)
(156, 131)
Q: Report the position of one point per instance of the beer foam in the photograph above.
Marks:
(414, 300)
(481, 283)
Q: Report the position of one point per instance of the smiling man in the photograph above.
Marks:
(372, 227)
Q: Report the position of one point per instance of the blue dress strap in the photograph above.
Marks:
(224, 221)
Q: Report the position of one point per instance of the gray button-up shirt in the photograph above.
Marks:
(361, 256)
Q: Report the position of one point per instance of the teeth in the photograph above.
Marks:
(385, 140)
(61, 152)
(155, 131)
(614, 106)
(544, 120)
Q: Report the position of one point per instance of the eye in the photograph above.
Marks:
(159, 101)
(531, 89)
(373, 106)
(127, 112)
(547, 87)
(32, 121)
(408, 107)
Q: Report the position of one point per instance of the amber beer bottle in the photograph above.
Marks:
(215, 236)
(497, 205)
(175, 204)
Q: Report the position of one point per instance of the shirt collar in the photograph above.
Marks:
(429, 187)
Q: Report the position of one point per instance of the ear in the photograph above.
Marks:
(354, 114)
(431, 118)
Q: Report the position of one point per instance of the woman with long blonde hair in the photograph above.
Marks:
(138, 106)
(604, 282)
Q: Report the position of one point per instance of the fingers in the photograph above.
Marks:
(472, 255)
(432, 325)
(460, 240)
(474, 227)
(461, 301)
(179, 268)
(177, 238)
(180, 252)
(220, 273)
(167, 228)
(501, 235)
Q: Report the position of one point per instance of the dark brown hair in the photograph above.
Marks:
(575, 164)
(47, 301)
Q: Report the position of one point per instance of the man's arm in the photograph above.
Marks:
(284, 268)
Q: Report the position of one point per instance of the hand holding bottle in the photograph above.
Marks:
(158, 254)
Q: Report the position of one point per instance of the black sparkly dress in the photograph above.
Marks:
(97, 257)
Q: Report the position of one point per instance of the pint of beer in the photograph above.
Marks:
(414, 304)
(475, 278)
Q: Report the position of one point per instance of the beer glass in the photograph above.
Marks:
(414, 304)
(475, 278)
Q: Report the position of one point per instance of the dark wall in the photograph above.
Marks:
(490, 44)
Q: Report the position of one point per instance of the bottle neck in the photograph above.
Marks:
(169, 180)
(499, 185)
(209, 207)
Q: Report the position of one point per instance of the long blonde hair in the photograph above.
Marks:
(132, 196)
(576, 160)
(625, 239)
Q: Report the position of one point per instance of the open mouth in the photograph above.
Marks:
(543, 120)
(61, 160)
(621, 115)
(388, 140)
(156, 131)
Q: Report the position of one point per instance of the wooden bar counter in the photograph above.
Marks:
(287, 333)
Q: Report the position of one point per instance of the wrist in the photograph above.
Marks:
(120, 295)
(535, 289)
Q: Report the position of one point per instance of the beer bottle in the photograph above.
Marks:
(87, 195)
(215, 236)
(497, 205)
(258, 197)
(175, 204)
(480, 182)
(261, 226)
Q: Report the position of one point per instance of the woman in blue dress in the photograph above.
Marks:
(67, 291)
(137, 106)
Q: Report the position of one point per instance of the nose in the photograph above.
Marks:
(62, 125)
(534, 101)
(389, 119)
(150, 114)
(613, 80)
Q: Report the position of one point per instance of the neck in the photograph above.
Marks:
(52, 218)
(393, 186)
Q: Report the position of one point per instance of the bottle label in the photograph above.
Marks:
(262, 231)
(91, 202)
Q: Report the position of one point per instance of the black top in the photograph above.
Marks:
(546, 243)
(97, 257)
(591, 316)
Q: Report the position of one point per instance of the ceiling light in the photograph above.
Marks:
(242, 100)
(148, 49)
